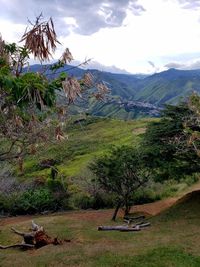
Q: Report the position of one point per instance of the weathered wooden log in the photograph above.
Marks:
(143, 225)
(36, 227)
(124, 228)
(111, 228)
(117, 228)
(35, 239)
(131, 229)
(28, 237)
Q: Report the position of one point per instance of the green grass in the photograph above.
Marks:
(86, 140)
(171, 241)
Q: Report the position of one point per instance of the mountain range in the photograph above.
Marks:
(137, 95)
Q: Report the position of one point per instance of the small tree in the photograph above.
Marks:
(121, 172)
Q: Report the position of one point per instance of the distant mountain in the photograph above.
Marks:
(168, 87)
(137, 95)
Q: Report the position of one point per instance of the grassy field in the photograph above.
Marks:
(171, 241)
(86, 140)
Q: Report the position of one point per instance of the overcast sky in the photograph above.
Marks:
(133, 35)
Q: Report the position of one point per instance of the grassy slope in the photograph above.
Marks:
(171, 241)
(86, 140)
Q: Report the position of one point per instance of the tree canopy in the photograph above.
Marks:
(171, 144)
(121, 172)
(29, 111)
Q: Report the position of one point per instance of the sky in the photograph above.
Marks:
(134, 36)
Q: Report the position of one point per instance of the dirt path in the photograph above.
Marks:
(150, 208)
(155, 207)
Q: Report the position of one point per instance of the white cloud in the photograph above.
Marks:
(164, 29)
(121, 38)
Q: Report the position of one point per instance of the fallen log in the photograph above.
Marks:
(124, 228)
(118, 228)
(37, 238)
(143, 225)
(131, 229)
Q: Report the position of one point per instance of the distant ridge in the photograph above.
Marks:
(137, 95)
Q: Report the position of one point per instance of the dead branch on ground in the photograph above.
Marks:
(37, 238)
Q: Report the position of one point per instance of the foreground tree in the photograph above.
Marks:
(29, 112)
(121, 172)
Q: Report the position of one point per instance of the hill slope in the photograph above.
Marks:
(134, 96)
(168, 87)
(187, 207)
(87, 138)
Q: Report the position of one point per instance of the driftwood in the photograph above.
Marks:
(125, 228)
(37, 238)
(118, 228)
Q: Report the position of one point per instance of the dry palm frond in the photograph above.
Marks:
(66, 56)
(88, 79)
(102, 88)
(41, 39)
(102, 91)
(72, 89)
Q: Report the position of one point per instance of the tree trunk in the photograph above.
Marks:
(116, 211)
(126, 210)
(127, 207)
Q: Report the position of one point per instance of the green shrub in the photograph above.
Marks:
(103, 200)
(4, 204)
(97, 201)
(81, 201)
(146, 196)
(32, 201)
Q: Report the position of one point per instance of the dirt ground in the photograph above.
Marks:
(150, 209)
(95, 215)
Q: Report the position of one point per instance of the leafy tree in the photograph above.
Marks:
(29, 111)
(121, 172)
(167, 143)
(192, 124)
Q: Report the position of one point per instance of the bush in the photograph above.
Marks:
(32, 201)
(81, 201)
(145, 196)
(97, 201)
(103, 200)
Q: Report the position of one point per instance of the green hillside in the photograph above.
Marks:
(130, 94)
(168, 87)
(87, 138)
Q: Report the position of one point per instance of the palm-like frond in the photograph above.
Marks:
(41, 39)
